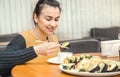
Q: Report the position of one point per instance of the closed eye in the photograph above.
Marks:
(57, 19)
(48, 18)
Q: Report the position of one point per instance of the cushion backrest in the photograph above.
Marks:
(111, 32)
(83, 46)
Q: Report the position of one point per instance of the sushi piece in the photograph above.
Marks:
(118, 64)
(71, 59)
(103, 67)
(111, 66)
(83, 56)
(86, 65)
(69, 66)
(93, 68)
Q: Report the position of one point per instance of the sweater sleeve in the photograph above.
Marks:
(14, 54)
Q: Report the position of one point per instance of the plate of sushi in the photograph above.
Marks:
(87, 65)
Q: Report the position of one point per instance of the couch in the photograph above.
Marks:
(5, 39)
(102, 34)
(84, 45)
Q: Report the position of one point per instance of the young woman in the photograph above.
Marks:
(38, 42)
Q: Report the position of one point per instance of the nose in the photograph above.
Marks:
(53, 23)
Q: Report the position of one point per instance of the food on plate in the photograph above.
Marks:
(111, 65)
(65, 44)
(69, 66)
(103, 67)
(88, 63)
(72, 59)
(76, 59)
(118, 64)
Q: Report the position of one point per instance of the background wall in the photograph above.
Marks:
(77, 18)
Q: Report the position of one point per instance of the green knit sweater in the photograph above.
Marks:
(15, 53)
(20, 50)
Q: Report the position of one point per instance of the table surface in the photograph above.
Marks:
(45, 69)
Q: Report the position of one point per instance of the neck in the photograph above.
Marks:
(39, 35)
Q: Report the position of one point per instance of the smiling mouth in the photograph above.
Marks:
(51, 29)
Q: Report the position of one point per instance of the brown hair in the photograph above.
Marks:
(40, 4)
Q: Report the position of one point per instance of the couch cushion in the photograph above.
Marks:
(7, 37)
(110, 33)
(83, 46)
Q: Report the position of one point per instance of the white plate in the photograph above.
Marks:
(54, 60)
(74, 72)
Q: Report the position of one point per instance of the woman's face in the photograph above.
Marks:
(48, 19)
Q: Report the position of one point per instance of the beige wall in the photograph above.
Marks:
(77, 18)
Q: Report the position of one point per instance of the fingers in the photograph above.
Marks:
(53, 45)
(51, 51)
(46, 48)
(52, 48)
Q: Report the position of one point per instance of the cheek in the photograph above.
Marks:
(57, 24)
(43, 22)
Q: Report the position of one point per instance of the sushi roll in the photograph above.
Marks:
(69, 66)
(87, 65)
(118, 64)
(111, 66)
(103, 67)
(71, 59)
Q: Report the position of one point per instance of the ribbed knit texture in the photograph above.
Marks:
(20, 50)
(14, 54)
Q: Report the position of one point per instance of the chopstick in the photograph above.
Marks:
(39, 41)
(119, 55)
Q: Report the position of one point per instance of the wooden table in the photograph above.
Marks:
(44, 69)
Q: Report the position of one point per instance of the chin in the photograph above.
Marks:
(49, 33)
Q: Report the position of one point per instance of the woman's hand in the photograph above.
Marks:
(46, 48)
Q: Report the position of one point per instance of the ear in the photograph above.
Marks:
(35, 18)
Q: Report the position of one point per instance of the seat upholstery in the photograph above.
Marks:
(102, 34)
(83, 46)
(5, 39)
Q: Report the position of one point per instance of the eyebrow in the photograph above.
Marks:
(51, 16)
(58, 17)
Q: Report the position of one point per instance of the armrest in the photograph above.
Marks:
(83, 46)
(7, 37)
(4, 43)
(103, 38)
